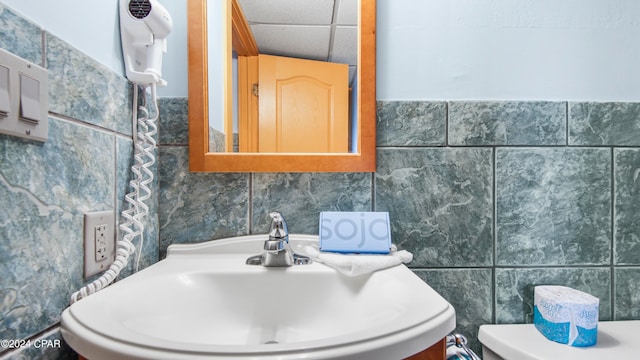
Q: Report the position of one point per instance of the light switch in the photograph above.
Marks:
(5, 101)
(24, 86)
(30, 99)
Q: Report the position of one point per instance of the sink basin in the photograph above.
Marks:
(203, 301)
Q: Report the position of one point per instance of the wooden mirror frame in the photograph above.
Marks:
(200, 159)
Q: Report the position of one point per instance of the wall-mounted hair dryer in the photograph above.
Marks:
(144, 26)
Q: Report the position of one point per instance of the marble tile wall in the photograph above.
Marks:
(46, 188)
(492, 197)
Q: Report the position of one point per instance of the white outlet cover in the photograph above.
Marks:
(91, 221)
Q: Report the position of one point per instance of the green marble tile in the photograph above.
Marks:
(470, 292)
(553, 206)
(20, 36)
(627, 296)
(195, 207)
(604, 123)
(507, 123)
(440, 203)
(411, 123)
(300, 197)
(174, 121)
(83, 89)
(48, 188)
(515, 289)
(627, 206)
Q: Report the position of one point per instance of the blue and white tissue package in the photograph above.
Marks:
(566, 315)
(355, 232)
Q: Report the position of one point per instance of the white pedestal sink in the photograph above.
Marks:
(204, 302)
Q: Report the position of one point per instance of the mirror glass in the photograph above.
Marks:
(306, 56)
(280, 83)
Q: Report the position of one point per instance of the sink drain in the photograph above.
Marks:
(271, 342)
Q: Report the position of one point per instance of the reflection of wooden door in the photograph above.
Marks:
(304, 105)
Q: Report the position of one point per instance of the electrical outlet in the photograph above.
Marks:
(99, 242)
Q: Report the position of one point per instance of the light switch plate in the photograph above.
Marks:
(99, 241)
(5, 100)
(28, 98)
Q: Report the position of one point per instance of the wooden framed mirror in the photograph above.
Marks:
(201, 158)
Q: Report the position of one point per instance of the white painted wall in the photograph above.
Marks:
(431, 49)
(508, 49)
(92, 26)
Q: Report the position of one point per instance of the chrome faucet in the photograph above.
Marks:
(277, 252)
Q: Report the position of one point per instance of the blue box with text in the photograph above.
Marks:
(355, 232)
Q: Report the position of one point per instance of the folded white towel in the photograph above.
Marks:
(358, 264)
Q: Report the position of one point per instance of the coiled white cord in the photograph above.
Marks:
(137, 210)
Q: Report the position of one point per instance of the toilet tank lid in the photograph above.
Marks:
(616, 340)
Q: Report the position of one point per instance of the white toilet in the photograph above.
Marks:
(616, 340)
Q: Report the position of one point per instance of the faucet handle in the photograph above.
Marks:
(278, 229)
(274, 245)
